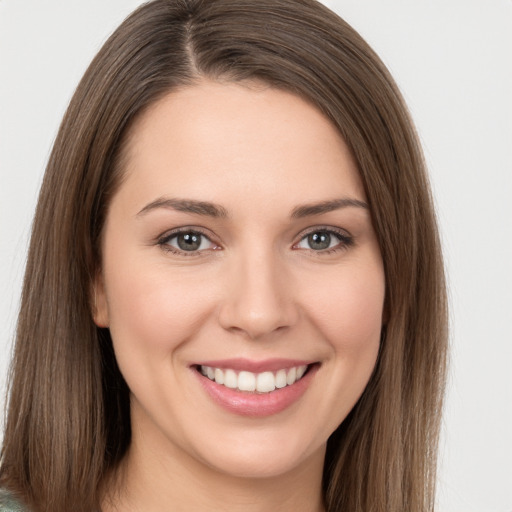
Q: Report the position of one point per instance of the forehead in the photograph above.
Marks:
(212, 139)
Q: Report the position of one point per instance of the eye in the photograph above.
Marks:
(324, 240)
(186, 241)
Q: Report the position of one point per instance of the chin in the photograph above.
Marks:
(264, 457)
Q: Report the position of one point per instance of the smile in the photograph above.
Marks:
(255, 388)
(264, 382)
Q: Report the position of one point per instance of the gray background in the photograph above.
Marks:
(452, 60)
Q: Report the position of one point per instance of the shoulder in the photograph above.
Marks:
(9, 504)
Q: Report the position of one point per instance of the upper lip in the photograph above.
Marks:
(249, 365)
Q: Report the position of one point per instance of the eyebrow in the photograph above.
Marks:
(186, 205)
(209, 209)
(326, 207)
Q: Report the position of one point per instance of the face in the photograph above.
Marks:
(241, 280)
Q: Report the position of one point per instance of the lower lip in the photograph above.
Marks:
(255, 404)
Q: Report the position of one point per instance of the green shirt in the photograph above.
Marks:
(9, 504)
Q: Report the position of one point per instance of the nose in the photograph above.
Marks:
(259, 298)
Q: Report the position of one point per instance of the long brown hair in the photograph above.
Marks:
(68, 423)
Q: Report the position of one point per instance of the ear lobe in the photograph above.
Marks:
(99, 307)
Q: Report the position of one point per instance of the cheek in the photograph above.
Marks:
(155, 307)
(349, 308)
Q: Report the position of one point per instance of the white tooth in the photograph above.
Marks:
(210, 372)
(301, 370)
(281, 379)
(219, 376)
(203, 370)
(291, 375)
(230, 379)
(246, 381)
(265, 382)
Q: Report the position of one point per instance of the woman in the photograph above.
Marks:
(234, 297)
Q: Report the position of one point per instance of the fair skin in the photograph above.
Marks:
(212, 257)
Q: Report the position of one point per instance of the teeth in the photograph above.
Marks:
(264, 382)
(219, 376)
(301, 370)
(246, 381)
(281, 379)
(230, 379)
(291, 376)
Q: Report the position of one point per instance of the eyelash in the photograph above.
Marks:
(345, 241)
(163, 241)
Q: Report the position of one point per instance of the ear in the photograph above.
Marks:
(99, 306)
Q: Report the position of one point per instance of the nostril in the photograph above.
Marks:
(256, 325)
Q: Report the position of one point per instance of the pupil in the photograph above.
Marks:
(189, 241)
(319, 240)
